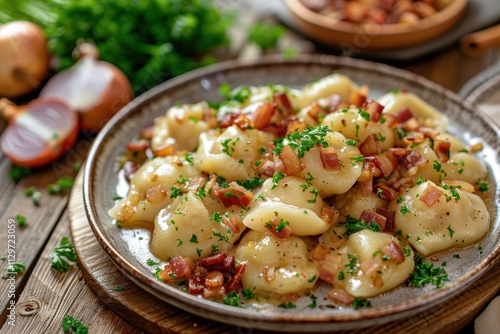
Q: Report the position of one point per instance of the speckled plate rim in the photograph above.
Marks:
(273, 321)
(482, 86)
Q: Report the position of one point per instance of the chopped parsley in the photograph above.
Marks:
(354, 225)
(190, 159)
(194, 239)
(426, 273)
(313, 303)
(216, 217)
(21, 220)
(34, 194)
(341, 276)
(312, 279)
(277, 177)
(287, 305)
(451, 231)
(232, 299)
(151, 262)
(250, 183)
(17, 172)
(118, 288)
(361, 303)
(364, 114)
(483, 186)
(63, 184)
(404, 210)
(352, 265)
(303, 141)
(248, 294)
(351, 142)
(71, 324)
(62, 254)
(15, 268)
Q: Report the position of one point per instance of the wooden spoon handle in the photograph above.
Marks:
(480, 42)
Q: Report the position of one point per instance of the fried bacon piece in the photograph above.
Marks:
(263, 114)
(177, 268)
(442, 149)
(340, 296)
(374, 109)
(371, 216)
(329, 158)
(235, 195)
(291, 161)
(430, 195)
(394, 251)
(389, 218)
(371, 146)
(283, 104)
(277, 227)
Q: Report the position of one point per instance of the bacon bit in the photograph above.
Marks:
(147, 131)
(411, 125)
(330, 267)
(374, 109)
(334, 103)
(315, 111)
(126, 212)
(214, 279)
(366, 188)
(242, 122)
(269, 273)
(138, 146)
(284, 232)
(328, 214)
(196, 284)
(276, 129)
(386, 163)
(340, 296)
(319, 253)
(413, 159)
(227, 119)
(129, 169)
(226, 265)
(155, 194)
(476, 147)
(442, 149)
(371, 146)
(329, 158)
(371, 216)
(386, 193)
(428, 132)
(283, 103)
(430, 195)
(263, 114)
(404, 115)
(233, 222)
(290, 160)
(165, 150)
(212, 260)
(193, 184)
(266, 168)
(279, 166)
(397, 151)
(182, 267)
(465, 186)
(389, 218)
(213, 293)
(371, 266)
(377, 282)
(295, 126)
(394, 251)
(234, 282)
(391, 121)
(235, 195)
(209, 116)
(357, 98)
(414, 137)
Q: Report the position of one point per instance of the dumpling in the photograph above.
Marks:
(371, 263)
(353, 203)
(180, 127)
(275, 265)
(293, 201)
(330, 182)
(150, 189)
(233, 153)
(425, 114)
(335, 83)
(434, 219)
(188, 228)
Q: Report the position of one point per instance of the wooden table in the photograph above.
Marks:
(44, 296)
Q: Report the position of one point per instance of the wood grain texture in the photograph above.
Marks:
(155, 316)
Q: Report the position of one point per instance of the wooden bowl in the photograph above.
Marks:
(352, 36)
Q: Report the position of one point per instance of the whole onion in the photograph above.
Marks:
(24, 59)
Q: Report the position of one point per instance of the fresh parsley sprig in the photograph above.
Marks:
(302, 142)
(354, 225)
(426, 273)
(62, 254)
(76, 326)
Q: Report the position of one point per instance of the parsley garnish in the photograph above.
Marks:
(15, 268)
(156, 274)
(248, 294)
(21, 220)
(194, 239)
(115, 197)
(151, 262)
(118, 288)
(351, 266)
(190, 159)
(341, 276)
(312, 279)
(232, 299)
(483, 186)
(425, 273)
(451, 231)
(365, 115)
(351, 142)
(313, 303)
(34, 194)
(76, 326)
(62, 254)
(179, 242)
(277, 177)
(287, 305)
(361, 303)
(250, 183)
(17, 172)
(63, 184)
(353, 225)
(221, 237)
(404, 210)
(303, 141)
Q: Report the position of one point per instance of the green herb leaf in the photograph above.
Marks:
(21, 220)
(62, 254)
(425, 273)
(354, 225)
(76, 326)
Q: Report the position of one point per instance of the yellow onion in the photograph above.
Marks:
(95, 89)
(24, 59)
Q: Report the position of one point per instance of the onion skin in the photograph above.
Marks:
(24, 58)
(49, 152)
(116, 97)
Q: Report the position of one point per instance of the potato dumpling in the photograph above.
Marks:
(276, 265)
(434, 219)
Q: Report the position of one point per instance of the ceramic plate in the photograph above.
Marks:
(129, 248)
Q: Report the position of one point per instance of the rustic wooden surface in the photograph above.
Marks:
(48, 295)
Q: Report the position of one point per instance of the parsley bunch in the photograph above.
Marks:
(353, 225)
(301, 142)
(149, 40)
(426, 273)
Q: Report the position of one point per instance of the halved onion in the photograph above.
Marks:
(95, 89)
(39, 132)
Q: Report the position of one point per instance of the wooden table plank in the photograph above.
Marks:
(59, 294)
